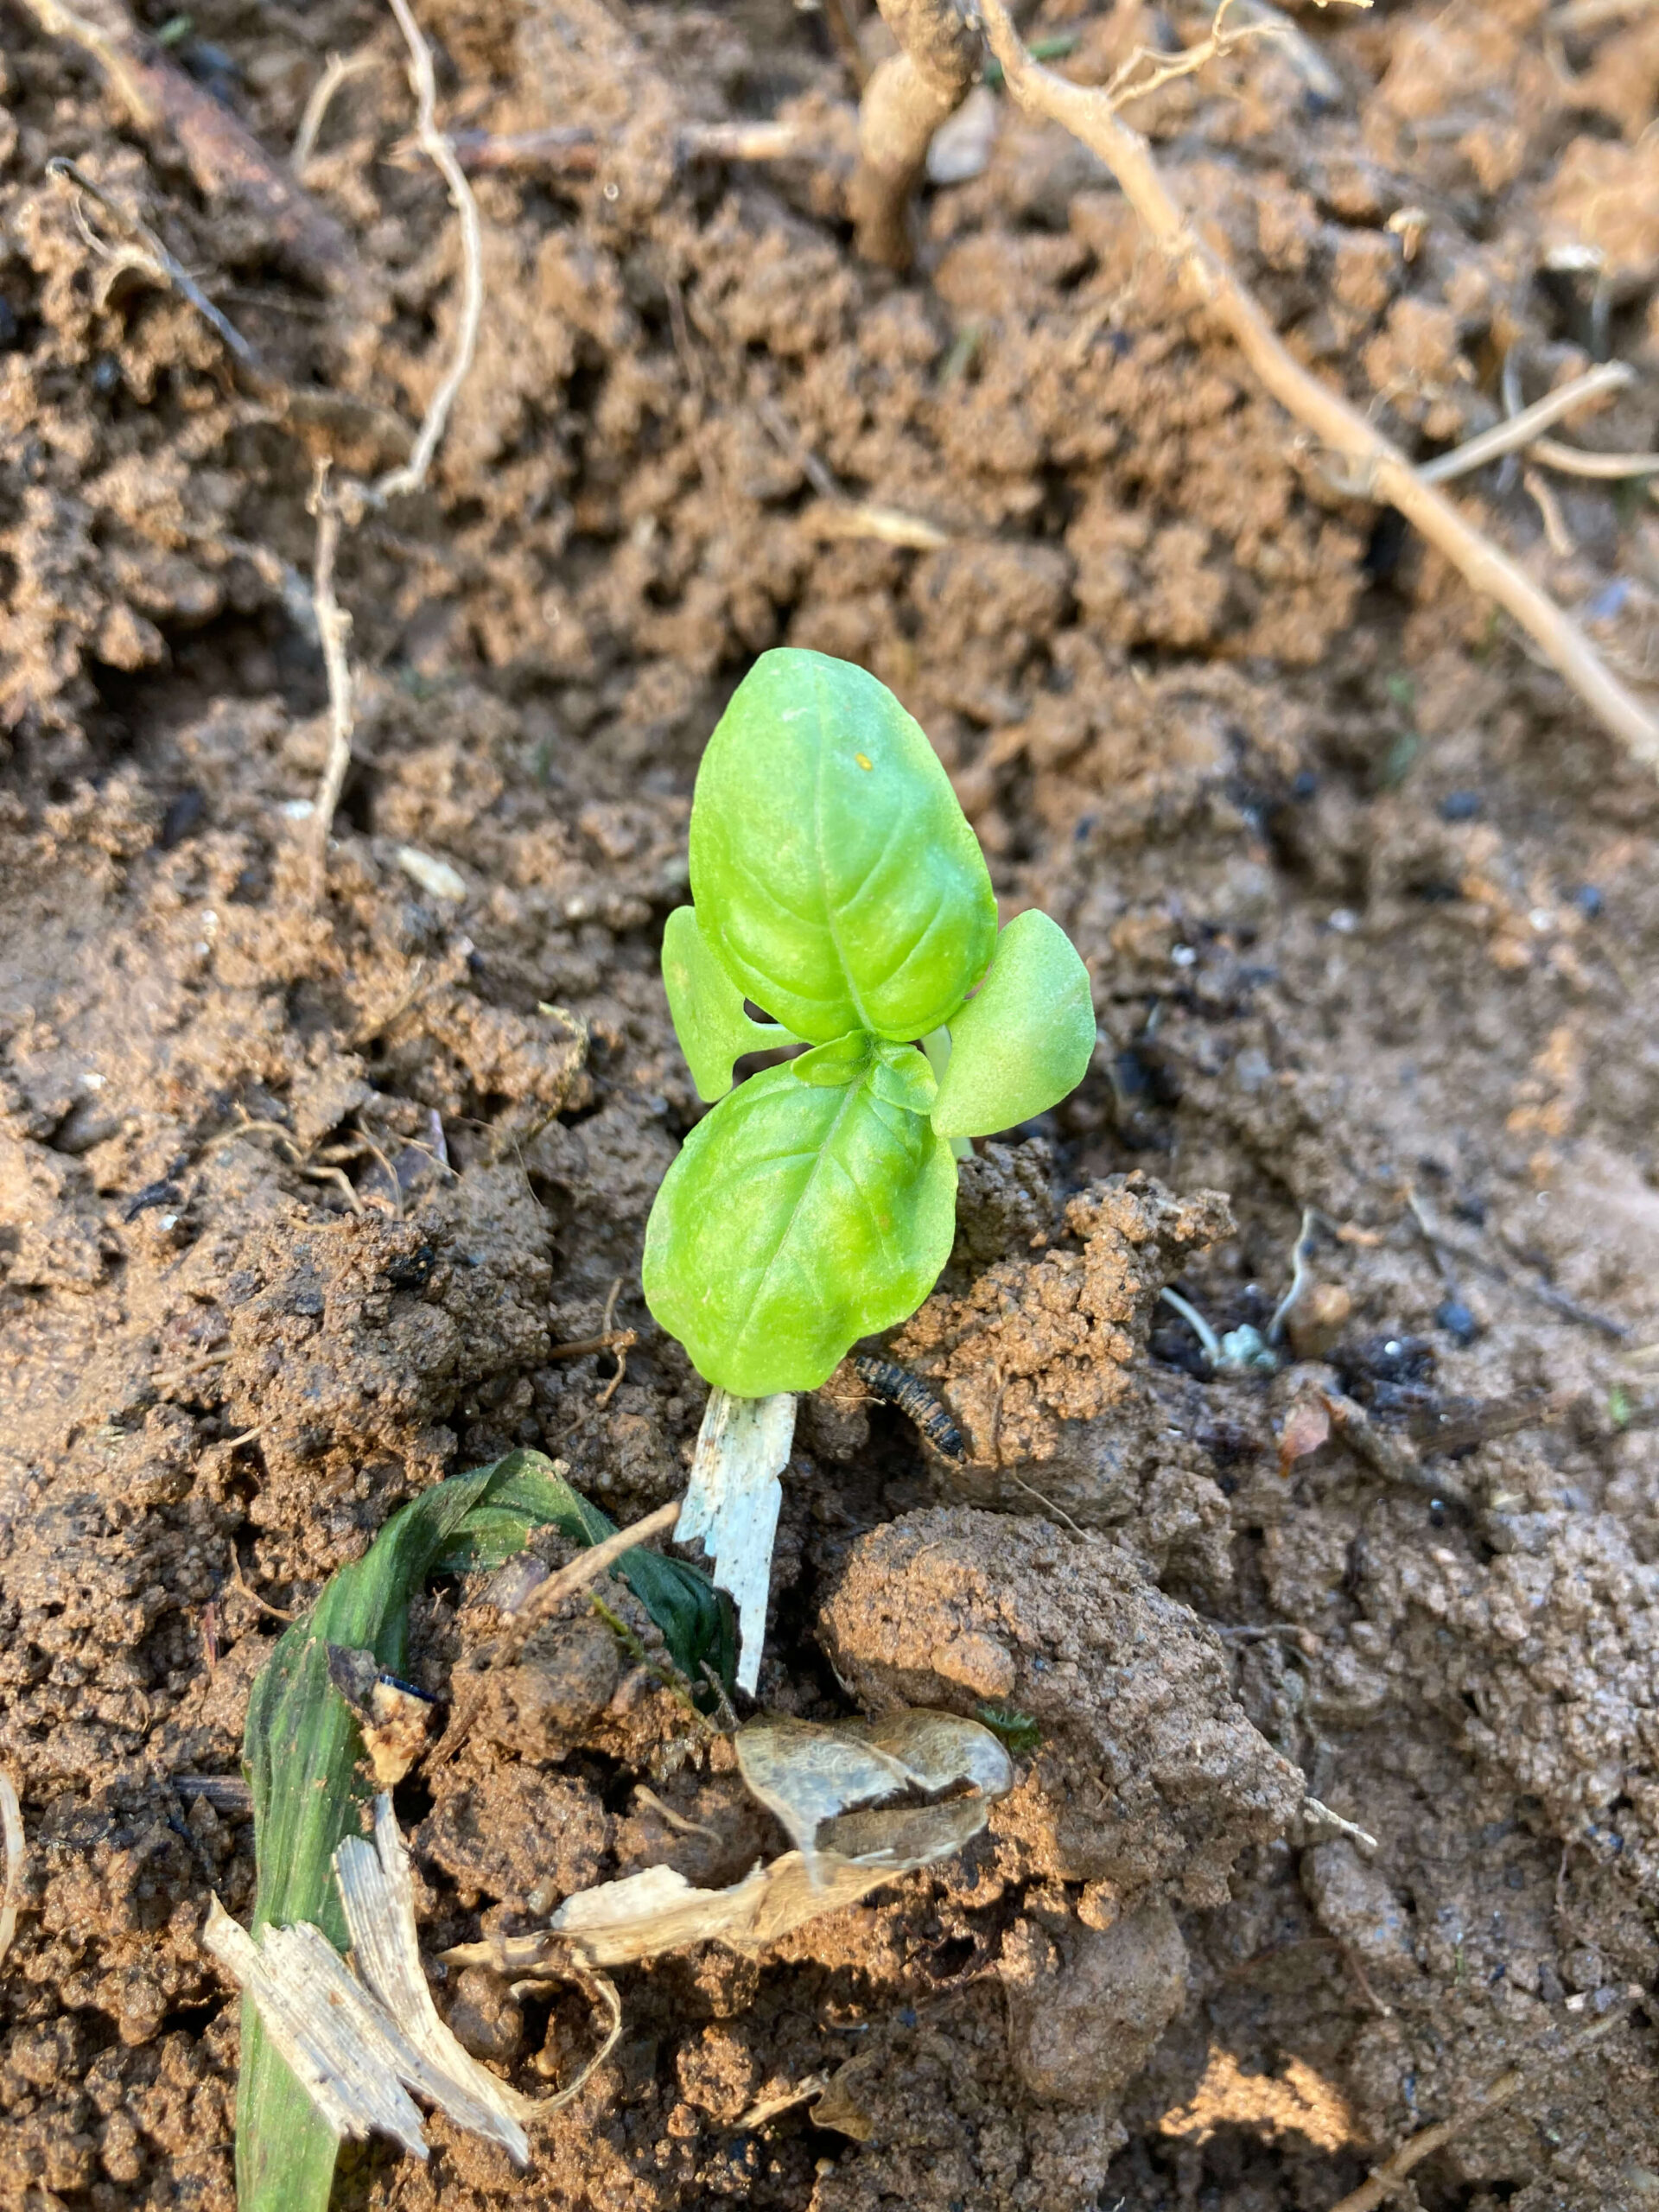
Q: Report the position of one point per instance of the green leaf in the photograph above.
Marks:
(707, 1008)
(903, 1077)
(836, 877)
(1025, 1038)
(797, 1219)
(301, 1750)
(843, 1059)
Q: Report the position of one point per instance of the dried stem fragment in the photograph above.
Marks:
(1378, 464)
(334, 628)
(906, 99)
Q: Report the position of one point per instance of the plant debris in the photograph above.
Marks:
(807, 1773)
(352, 2038)
(11, 1833)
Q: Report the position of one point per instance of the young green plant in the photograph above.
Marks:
(840, 895)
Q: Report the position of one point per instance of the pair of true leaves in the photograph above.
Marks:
(837, 885)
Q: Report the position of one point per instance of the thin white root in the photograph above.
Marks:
(437, 148)
(333, 629)
(1523, 429)
(337, 72)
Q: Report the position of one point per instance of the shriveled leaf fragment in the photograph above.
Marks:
(796, 1220)
(1025, 1037)
(349, 2039)
(732, 1503)
(834, 874)
(644, 1915)
(938, 1750)
(803, 1770)
(837, 2105)
(807, 1773)
(707, 1008)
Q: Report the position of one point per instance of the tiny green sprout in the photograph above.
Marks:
(1618, 1406)
(1018, 1731)
(837, 887)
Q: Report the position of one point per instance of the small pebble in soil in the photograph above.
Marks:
(1455, 1318)
(1589, 901)
(1462, 806)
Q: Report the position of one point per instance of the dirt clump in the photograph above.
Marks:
(1147, 1770)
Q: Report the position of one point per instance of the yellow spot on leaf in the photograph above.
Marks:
(863, 760)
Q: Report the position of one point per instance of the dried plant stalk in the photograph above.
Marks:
(1376, 462)
(905, 100)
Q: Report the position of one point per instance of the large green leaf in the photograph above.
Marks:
(301, 1750)
(836, 877)
(707, 1008)
(1024, 1039)
(797, 1218)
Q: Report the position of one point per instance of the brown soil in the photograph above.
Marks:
(295, 1199)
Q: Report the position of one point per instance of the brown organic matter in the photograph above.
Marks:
(303, 1205)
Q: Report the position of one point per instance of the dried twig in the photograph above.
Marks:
(843, 33)
(240, 1586)
(1557, 536)
(1574, 460)
(1380, 467)
(608, 1340)
(412, 476)
(1386, 2180)
(11, 1834)
(1523, 429)
(906, 99)
(1391, 1457)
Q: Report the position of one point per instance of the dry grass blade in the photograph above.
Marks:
(359, 2040)
(11, 1834)
(1381, 468)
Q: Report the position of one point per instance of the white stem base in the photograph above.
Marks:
(733, 1501)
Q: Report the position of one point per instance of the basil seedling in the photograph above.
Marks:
(837, 886)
